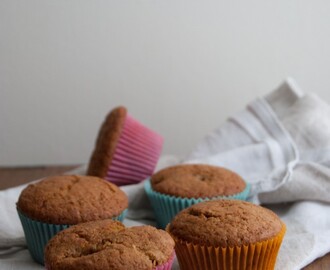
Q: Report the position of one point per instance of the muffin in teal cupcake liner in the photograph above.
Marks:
(37, 234)
(167, 206)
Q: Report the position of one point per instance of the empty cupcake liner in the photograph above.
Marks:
(37, 234)
(167, 206)
(258, 256)
(136, 154)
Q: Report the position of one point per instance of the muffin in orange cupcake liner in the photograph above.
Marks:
(260, 255)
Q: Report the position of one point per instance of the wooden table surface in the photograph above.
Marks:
(10, 177)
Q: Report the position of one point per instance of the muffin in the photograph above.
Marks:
(107, 244)
(55, 203)
(126, 152)
(178, 187)
(226, 234)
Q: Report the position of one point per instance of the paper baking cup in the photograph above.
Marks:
(136, 154)
(167, 206)
(37, 234)
(167, 265)
(258, 256)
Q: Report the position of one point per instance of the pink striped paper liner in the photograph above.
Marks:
(167, 265)
(136, 155)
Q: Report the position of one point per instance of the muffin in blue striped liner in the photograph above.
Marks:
(178, 187)
(57, 202)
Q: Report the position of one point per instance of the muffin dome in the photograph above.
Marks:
(71, 199)
(197, 181)
(107, 244)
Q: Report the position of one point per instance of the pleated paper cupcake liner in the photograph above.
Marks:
(167, 265)
(257, 256)
(136, 154)
(121, 217)
(166, 207)
(37, 234)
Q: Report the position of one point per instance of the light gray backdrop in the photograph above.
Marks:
(180, 67)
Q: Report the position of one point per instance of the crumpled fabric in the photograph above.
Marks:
(280, 144)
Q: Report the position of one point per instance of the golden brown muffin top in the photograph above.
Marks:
(225, 223)
(197, 181)
(71, 199)
(106, 142)
(108, 244)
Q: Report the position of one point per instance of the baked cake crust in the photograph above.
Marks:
(225, 223)
(106, 142)
(71, 199)
(108, 244)
(197, 181)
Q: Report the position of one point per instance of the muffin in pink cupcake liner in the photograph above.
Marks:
(136, 154)
(126, 151)
(108, 244)
(167, 265)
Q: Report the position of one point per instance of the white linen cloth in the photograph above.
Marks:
(279, 143)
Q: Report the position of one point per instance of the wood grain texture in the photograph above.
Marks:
(10, 177)
(14, 176)
(322, 263)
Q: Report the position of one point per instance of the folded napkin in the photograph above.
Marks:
(279, 143)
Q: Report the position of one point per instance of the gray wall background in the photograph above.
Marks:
(180, 67)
